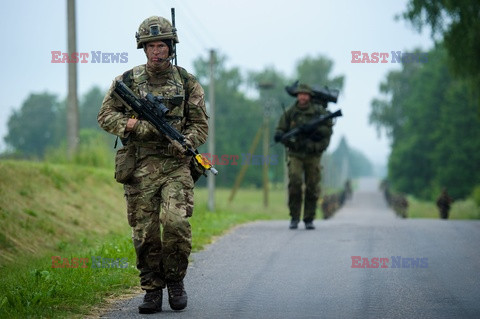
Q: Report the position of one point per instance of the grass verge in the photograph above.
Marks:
(462, 209)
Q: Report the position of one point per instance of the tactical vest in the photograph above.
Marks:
(297, 117)
(302, 145)
(137, 79)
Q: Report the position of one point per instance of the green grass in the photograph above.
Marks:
(246, 206)
(464, 209)
(77, 212)
(32, 288)
(43, 204)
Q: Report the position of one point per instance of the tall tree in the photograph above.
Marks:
(457, 25)
(421, 115)
(458, 152)
(238, 118)
(32, 128)
(270, 85)
(316, 71)
(89, 106)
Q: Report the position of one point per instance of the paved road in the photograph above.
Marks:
(264, 270)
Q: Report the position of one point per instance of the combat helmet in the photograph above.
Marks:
(303, 88)
(156, 28)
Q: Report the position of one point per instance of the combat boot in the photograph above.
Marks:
(177, 296)
(293, 224)
(152, 302)
(309, 225)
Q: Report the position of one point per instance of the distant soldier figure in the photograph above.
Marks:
(444, 203)
(385, 187)
(303, 155)
(400, 203)
(348, 189)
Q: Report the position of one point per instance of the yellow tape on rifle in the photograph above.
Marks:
(203, 161)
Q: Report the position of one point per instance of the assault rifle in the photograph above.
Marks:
(153, 110)
(310, 126)
(319, 95)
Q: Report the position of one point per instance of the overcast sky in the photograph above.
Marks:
(252, 34)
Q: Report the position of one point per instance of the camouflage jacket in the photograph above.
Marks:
(444, 201)
(312, 144)
(189, 117)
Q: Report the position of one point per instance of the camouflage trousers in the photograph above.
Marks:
(304, 169)
(444, 212)
(159, 203)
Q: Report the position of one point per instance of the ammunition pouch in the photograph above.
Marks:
(125, 162)
(314, 148)
(307, 147)
(316, 137)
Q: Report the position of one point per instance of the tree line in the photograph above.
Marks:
(431, 111)
(431, 120)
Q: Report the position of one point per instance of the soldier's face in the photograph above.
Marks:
(303, 98)
(157, 52)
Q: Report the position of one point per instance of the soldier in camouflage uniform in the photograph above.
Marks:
(444, 202)
(160, 189)
(303, 155)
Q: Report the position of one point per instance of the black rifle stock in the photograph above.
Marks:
(310, 126)
(153, 110)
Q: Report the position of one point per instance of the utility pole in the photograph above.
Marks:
(286, 180)
(72, 101)
(211, 131)
(266, 138)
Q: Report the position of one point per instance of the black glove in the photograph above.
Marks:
(316, 137)
(278, 137)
